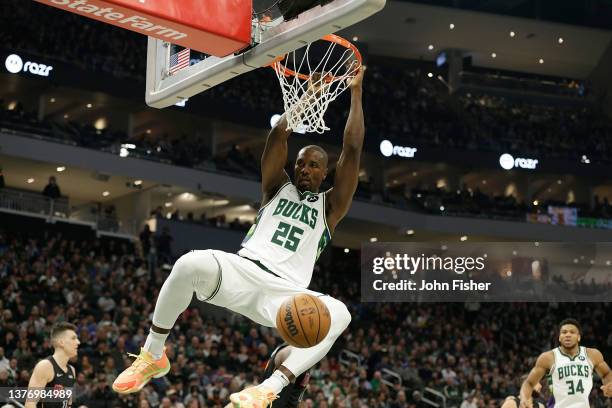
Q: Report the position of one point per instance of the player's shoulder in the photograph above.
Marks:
(593, 354)
(44, 364)
(44, 369)
(547, 358)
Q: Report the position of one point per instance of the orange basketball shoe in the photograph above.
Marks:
(253, 397)
(142, 370)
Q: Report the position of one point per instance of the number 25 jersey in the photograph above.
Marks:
(289, 234)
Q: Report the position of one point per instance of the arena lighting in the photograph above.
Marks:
(30, 180)
(137, 182)
(441, 208)
(493, 55)
(560, 40)
(373, 239)
(105, 193)
(100, 123)
(541, 61)
(410, 232)
(355, 38)
(52, 100)
(536, 202)
(89, 106)
(463, 238)
(61, 168)
(430, 47)
(187, 197)
(512, 33)
(451, 26)
(346, 250)
(430, 75)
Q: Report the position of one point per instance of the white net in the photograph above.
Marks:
(314, 76)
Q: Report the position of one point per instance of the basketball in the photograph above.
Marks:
(303, 320)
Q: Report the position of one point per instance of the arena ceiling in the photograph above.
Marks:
(405, 30)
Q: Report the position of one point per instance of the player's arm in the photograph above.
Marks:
(339, 197)
(41, 376)
(273, 160)
(542, 366)
(602, 369)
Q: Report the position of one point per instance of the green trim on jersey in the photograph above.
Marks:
(325, 215)
(326, 236)
(568, 356)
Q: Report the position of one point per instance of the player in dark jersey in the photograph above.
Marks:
(292, 394)
(538, 398)
(54, 372)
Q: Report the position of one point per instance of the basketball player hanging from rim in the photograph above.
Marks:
(571, 368)
(276, 261)
(54, 372)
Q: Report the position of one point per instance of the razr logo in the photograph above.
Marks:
(14, 64)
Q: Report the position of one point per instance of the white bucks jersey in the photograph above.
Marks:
(289, 234)
(572, 379)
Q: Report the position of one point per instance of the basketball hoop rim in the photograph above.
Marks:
(282, 69)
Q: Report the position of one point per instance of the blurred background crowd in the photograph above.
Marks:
(392, 354)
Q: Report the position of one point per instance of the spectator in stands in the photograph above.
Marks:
(470, 401)
(4, 362)
(164, 245)
(145, 240)
(1, 178)
(52, 190)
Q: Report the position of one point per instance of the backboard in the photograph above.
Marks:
(174, 76)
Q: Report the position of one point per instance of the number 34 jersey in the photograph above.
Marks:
(572, 379)
(289, 234)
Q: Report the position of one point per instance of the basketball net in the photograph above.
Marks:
(308, 87)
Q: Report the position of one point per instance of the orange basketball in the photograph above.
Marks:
(303, 320)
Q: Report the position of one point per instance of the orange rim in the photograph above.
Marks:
(282, 69)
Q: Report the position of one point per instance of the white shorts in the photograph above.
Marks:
(249, 290)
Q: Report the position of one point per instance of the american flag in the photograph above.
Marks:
(179, 60)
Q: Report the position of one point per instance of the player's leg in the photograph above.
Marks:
(197, 271)
(292, 394)
(302, 359)
(299, 359)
